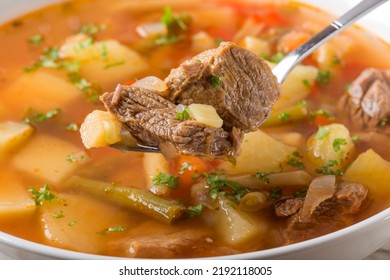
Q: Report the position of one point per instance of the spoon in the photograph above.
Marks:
(283, 68)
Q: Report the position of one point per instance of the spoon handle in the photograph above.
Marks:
(282, 69)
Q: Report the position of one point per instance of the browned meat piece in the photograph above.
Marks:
(288, 206)
(332, 214)
(239, 85)
(151, 119)
(367, 101)
(174, 245)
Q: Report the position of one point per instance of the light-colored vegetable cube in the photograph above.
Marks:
(105, 63)
(49, 158)
(296, 86)
(100, 129)
(236, 227)
(152, 30)
(81, 223)
(202, 41)
(14, 197)
(259, 153)
(373, 172)
(154, 84)
(40, 91)
(205, 114)
(12, 134)
(256, 45)
(331, 143)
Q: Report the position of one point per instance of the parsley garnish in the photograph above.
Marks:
(58, 215)
(166, 179)
(329, 168)
(276, 58)
(42, 195)
(319, 112)
(337, 143)
(193, 211)
(72, 127)
(71, 158)
(183, 115)
(323, 77)
(215, 81)
(185, 165)
(112, 229)
(322, 132)
(174, 24)
(34, 117)
(355, 137)
(114, 64)
(306, 83)
(91, 29)
(275, 193)
(36, 39)
(283, 116)
(384, 121)
(294, 161)
(72, 223)
(221, 185)
(263, 176)
(301, 193)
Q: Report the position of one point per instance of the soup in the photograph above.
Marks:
(312, 168)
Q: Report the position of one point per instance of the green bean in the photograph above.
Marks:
(130, 198)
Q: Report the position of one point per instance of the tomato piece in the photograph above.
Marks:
(129, 83)
(321, 120)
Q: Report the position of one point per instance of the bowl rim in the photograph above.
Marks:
(277, 252)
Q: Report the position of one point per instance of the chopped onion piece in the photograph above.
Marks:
(320, 189)
(151, 30)
(152, 83)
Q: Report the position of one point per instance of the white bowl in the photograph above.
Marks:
(355, 242)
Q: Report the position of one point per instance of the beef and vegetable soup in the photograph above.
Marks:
(245, 164)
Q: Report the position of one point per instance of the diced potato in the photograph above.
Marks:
(236, 227)
(14, 197)
(296, 86)
(331, 143)
(78, 222)
(295, 113)
(100, 129)
(326, 56)
(12, 134)
(259, 153)
(105, 63)
(372, 171)
(40, 91)
(293, 139)
(154, 164)
(205, 114)
(63, 158)
(256, 45)
(202, 41)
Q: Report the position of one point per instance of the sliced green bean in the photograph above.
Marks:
(161, 209)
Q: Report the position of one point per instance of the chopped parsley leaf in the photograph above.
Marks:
(337, 143)
(328, 168)
(384, 121)
(193, 211)
(294, 160)
(323, 77)
(72, 223)
(219, 184)
(355, 137)
(58, 215)
(322, 132)
(276, 58)
(166, 179)
(36, 39)
(195, 176)
(283, 116)
(104, 52)
(34, 117)
(91, 29)
(306, 83)
(215, 81)
(301, 193)
(185, 166)
(183, 115)
(72, 127)
(114, 64)
(42, 195)
(71, 158)
(169, 40)
(112, 229)
(263, 176)
(275, 193)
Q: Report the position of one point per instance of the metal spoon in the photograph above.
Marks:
(283, 68)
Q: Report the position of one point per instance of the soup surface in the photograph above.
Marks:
(318, 164)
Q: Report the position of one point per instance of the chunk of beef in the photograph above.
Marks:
(367, 101)
(332, 214)
(173, 245)
(239, 85)
(151, 119)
